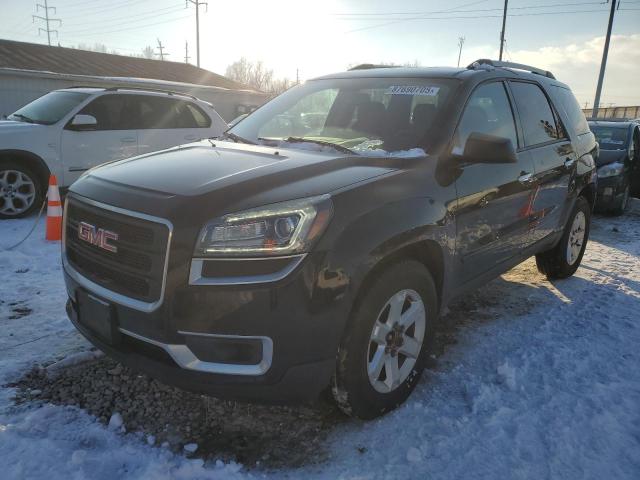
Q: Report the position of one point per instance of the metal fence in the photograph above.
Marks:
(614, 112)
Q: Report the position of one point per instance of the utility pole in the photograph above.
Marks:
(186, 52)
(197, 3)
(603, 65)
(297, 77)
(504, 24)
(460, 44)
(161, 48)
(46, 19)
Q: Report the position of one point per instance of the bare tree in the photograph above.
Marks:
(147, 52)
(256, 75)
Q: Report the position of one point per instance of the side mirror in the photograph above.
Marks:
(483, 148)
(83, 122)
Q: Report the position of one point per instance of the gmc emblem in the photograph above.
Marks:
(97, 236)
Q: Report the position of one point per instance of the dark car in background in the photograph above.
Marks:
(291, 255)
(618, 163)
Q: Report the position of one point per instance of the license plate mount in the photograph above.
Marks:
(98, 316)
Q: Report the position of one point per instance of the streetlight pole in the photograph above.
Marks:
(603, 65)
(504, 24)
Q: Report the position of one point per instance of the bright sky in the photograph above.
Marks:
(324, 36)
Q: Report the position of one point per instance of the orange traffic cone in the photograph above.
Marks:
(54, 211)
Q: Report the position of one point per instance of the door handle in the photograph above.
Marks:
(190, 137)
(526, 178)
(128, 140)
(568, 163)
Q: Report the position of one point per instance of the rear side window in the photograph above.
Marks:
(199, 117)
(488, 111)
(155, 112)
(538, 122)
(572, 109)
(110, 112)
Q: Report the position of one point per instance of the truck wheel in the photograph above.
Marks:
(382, 355)
(620, 209)
(21, 190)
(564, 259)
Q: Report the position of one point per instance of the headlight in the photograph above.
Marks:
(279, 229)
(612, 170)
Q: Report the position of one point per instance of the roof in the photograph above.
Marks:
(374, 71)
(398, 72)
(33, 56)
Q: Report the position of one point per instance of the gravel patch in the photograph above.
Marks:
(266, 437)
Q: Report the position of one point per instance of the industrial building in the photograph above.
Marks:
(29, 70)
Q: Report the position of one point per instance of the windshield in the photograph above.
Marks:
(49, 108)
(364, 115)
(611, 138)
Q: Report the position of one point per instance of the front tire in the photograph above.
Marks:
(382, 355)
(21, 190)
(563, 260)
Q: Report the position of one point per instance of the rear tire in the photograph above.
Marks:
(620, 209)
(564, 259)
(21, 190)
(383, 352)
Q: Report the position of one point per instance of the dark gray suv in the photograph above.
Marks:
(315, 243)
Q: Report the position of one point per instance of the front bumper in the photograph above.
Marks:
(291, 337)
(610, 192)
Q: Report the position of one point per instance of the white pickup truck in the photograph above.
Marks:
(69, 131)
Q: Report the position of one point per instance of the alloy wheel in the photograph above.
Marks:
(576, 237)
(17, 192)
(396, 341)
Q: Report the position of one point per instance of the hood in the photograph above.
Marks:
(11, 126)
(227, 177)
(200, 168)
(605, 157)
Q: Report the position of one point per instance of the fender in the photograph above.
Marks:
(34, 161)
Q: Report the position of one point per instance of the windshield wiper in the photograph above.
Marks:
(23, 117)
(337, 146)
(237, 138)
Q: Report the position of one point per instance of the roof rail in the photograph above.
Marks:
(369, 66)
(518, 66)
(155, 90)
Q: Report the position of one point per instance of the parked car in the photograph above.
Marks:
(270, 267)
(239, 118)
(68, 131)
(618, 163)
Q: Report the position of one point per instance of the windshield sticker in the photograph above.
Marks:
(423, 91)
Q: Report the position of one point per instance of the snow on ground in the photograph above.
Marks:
(539, 381)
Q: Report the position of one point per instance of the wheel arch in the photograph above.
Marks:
(589, 193)
(33, 161)
(427, 252)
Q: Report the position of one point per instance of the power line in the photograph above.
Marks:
(525, 7)
(46, 19)
(118, 22)
(473, 17)
(136, 27)
(124, 19)
(197, 3)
